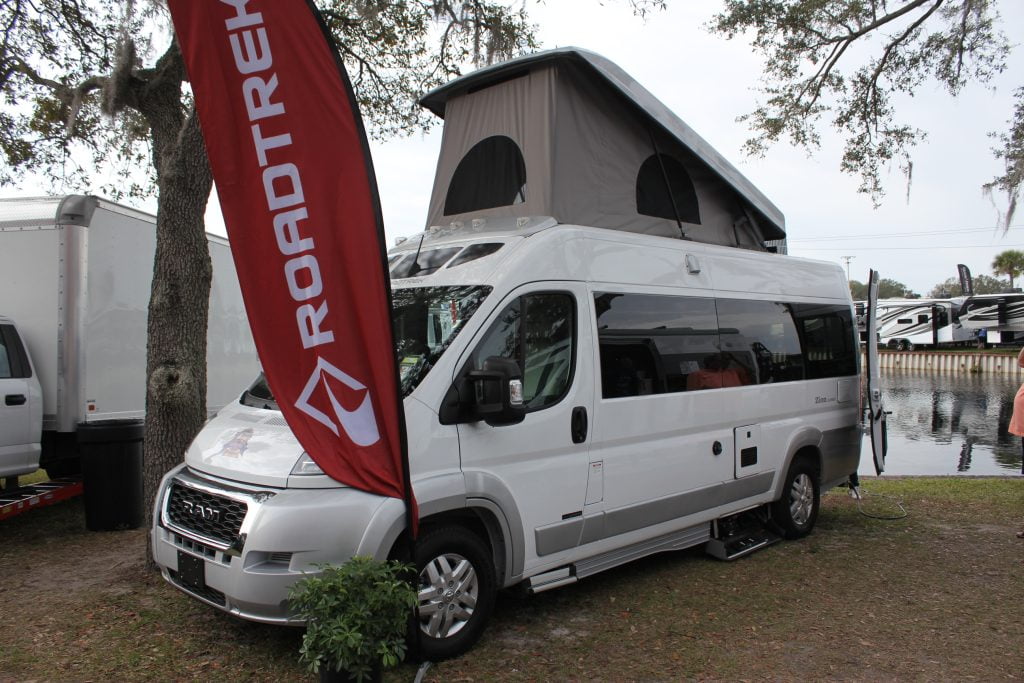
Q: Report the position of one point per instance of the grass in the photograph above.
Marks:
(934, 595)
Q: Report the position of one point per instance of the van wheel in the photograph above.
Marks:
(456, 592)
(797, 510)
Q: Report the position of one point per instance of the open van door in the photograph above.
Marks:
(876, 412)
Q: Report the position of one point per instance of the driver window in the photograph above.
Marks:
(538, 332)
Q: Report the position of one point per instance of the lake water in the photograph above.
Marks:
(944, 424)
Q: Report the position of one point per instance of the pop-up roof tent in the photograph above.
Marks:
(567, 134)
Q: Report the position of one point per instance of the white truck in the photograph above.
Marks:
(75, 278)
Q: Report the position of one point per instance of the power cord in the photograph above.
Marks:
(860, 494)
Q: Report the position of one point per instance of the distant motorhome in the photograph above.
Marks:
(907, 324)
(1001, 316)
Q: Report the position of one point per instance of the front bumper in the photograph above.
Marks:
(240, 548)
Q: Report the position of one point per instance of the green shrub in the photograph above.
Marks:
(356, 615)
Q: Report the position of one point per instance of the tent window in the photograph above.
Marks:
(653, 200)
(491, 174)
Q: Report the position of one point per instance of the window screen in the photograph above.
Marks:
(652, 198)
(491, 174)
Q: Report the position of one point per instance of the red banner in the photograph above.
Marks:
(296, 184)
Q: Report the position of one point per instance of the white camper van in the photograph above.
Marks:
(582, 387)
(905, 324)
(75, 276)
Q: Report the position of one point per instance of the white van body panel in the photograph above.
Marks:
(646, 478)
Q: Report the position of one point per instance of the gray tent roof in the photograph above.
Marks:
(630, 90)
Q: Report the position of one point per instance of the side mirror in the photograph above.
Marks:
(498, 392)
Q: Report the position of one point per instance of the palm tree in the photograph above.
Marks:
(1010, 263)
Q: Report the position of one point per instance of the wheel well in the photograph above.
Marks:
(812, 456)
(476, 520)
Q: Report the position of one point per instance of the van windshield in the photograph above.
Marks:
(425, 321)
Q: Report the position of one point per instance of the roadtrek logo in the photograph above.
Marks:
(360, 424)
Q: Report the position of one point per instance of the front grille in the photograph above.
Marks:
(215, 517)
(205, 592)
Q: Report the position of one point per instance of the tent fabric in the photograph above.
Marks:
(585, 130)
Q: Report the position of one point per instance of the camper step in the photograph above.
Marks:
(549, 580)
(737, 545)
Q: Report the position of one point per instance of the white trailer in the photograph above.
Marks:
(75, 279)
(1001, 315)
(905, 324)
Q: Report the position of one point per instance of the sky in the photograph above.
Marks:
(916, 237)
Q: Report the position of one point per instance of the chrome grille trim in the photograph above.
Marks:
(235, 496)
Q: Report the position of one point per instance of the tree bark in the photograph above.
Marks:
(179, 303)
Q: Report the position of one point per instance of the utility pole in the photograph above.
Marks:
(847, 259)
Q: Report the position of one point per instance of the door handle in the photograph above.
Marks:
(15, 399)
(579, 424)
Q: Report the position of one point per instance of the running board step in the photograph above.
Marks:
(549, 580)
(742, 543)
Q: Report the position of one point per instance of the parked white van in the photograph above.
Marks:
(582, 387)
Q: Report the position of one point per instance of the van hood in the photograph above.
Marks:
(250, 445)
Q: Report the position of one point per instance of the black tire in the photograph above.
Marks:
(457, 587)
(797, 511)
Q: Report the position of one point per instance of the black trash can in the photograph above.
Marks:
(112, 474)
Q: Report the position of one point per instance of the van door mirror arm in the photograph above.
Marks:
(493, 394)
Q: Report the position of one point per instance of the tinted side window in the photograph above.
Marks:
(828, 340)
(5, 360)
(762, 337)
(426, 262)
(475, 251)
(491, 174)
(538, 331)
(13, 359)
(651, 344)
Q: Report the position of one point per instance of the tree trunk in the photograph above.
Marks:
(179, 303)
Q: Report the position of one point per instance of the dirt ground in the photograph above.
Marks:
(936, 595)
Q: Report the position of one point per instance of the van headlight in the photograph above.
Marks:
(305, 466)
